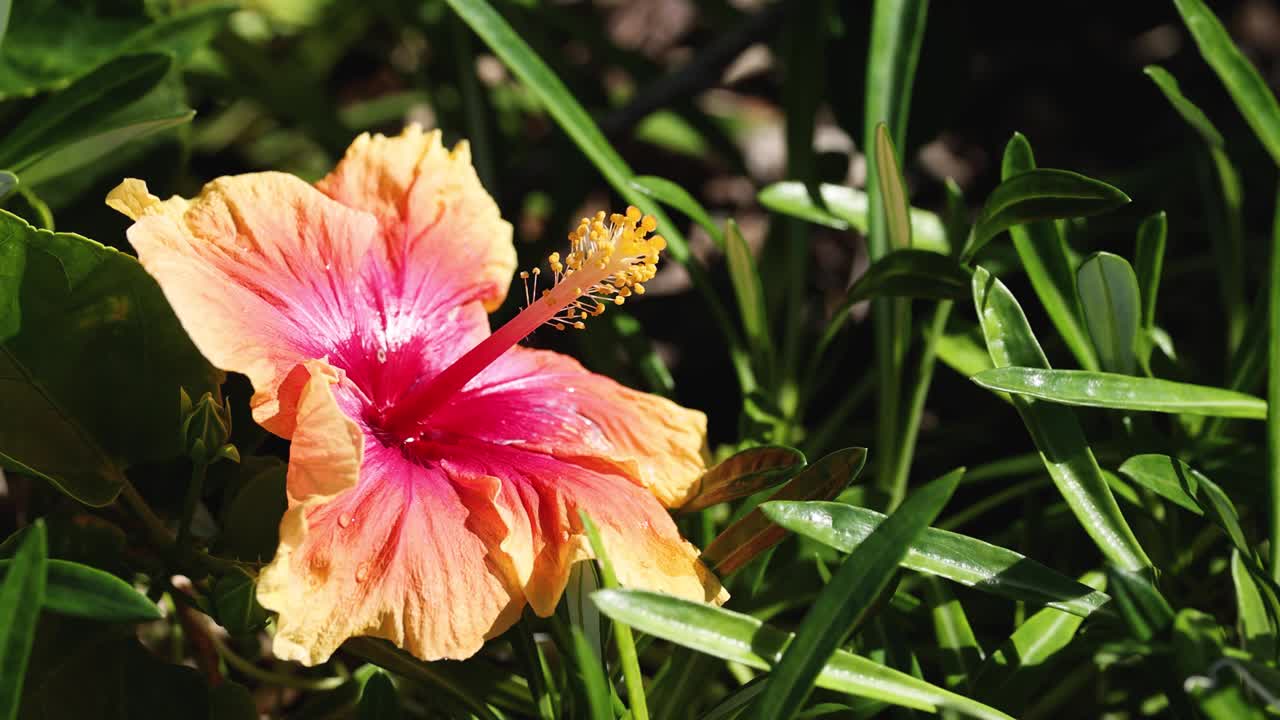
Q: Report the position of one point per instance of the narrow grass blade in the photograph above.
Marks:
(959, 558)
(1039, 194)
(666, 191)
(961, 654)
(754, 533)
(744, 473)
(1112, 310)
(1247, 87)
(743, 639)
(846, 600)
(1148, 266)
(745, 278)
(622, 633)
(1121, 392)
(1139, 604)
(81, 591)
(1018, 667)
(21, 596)
(1273, 394)
(1043, 252)
(1254, 623)
(1224, 204)
(893, 190)
(1054, 429)
(844, 208)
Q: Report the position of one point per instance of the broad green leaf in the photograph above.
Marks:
(1054, 428)
(1039, 194)
(1247, 87)
(959, 558)
(1149, 264)
(747, 289)
(754, 533)
(845, 601)
(744, 473)
(846, 209)
(743, 639)
(235, 604)
(1043, 252)
(962, 350)
(21, 595)
(1256, 631)
(80, 110)
(1021, 665)
(83, 591)
(666, 191)
(251, 520)
(1198, 644)
(1112, 310)
(50, 43)
(379, 699)
(961, 654)
(893, 190)
(1121, 392)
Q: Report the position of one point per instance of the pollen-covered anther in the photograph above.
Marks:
(609, 259)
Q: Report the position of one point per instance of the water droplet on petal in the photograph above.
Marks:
(362, 572)
(345, 519)
(382, 355)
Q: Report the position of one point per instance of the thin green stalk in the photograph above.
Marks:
(195, 490)
(163, 540)
(622, 633)
(537, 672)
(919, 392)
(1273, 395)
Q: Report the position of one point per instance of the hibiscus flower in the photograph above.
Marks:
(436, 470)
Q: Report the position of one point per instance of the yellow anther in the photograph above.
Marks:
(619, 300)
(524, 275)
(579, 325)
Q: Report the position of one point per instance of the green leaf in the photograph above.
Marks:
(591, 679)
(1196, 118)
(231, 701)
(21, 596)
(747, 289)
(892, 189)
(959, 558)
(1183, 485)
(235, 603)
(83, 591)
(1054, 428)
(1247, 87)
(1039, 194)
(80, 109)
(744, 473)
(754, 532)
(1121, 392)
(1023, 663)
(844, 208)
(1257, 633)
(1149, 264)
(1043, 252)
(1199, 643)
(845, 601)
(50, 43)
(677, 197)
(1112, 310)
(743, 639)
(8, 181)
(1140, 605)
(961, 654)
(626, 643)
(92, 361)
(251, 520)
(379, 699)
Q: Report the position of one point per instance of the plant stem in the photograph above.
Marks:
(160, 537)
(911, 423)
(1273, 395)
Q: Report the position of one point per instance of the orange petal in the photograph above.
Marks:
(375, 545)
(258, 268)
(437, 222)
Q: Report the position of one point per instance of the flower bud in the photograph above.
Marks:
(206, 425)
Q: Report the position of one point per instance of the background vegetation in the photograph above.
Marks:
(868, 282)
